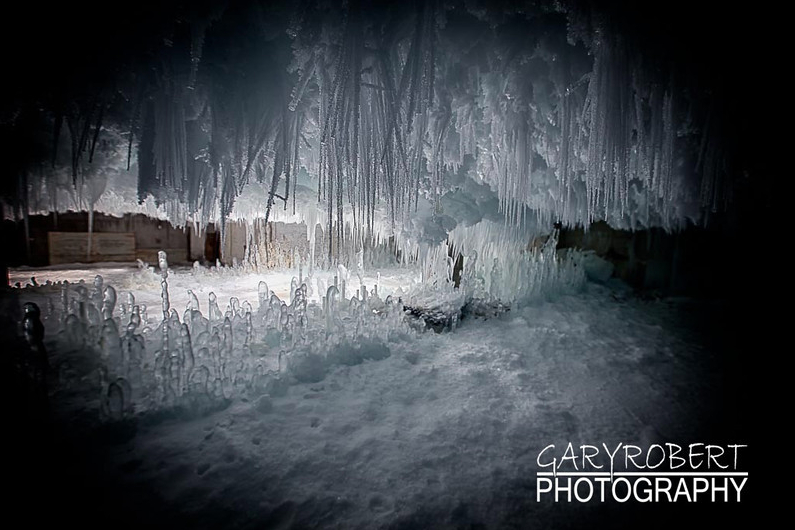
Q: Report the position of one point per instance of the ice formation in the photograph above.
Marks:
(198, 361)
(392, 129)
(183, 360)
(449, 140)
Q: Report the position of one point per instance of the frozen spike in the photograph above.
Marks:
(193, 301)
(162, 261)
(214, 311)
(109, 302)
(263, 295)
(116, 402)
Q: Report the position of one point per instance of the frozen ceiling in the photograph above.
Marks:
(387, 117)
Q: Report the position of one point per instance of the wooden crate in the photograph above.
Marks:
(72, 247)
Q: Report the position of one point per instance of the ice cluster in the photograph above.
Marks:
(396, 125)
(174, 359)
(182, 359)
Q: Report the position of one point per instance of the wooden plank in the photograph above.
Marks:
(72, 247)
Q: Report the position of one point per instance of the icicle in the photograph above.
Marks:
(263, 295)
(97, 128)
(163, 264)
(90, 232)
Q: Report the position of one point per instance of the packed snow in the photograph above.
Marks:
(344, 418)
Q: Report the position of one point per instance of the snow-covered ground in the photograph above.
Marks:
(442, 433)
(145, 283)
